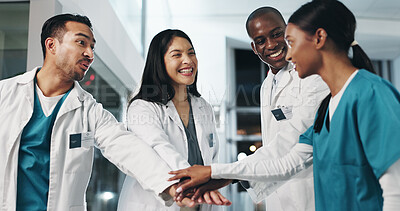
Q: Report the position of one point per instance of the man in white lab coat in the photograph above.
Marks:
(49, 126)
(288, 108)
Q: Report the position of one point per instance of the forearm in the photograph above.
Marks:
(299, 158)
(127, 152)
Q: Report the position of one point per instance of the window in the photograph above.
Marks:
(248, 78)
(14, 21)
(249, 75)
(243, 115)
(383, 69)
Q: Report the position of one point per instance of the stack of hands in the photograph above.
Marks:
(197, 187)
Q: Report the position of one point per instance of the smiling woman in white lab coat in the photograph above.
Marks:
(169, 114)
(353, 143)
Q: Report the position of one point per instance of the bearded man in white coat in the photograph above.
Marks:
(49, 126)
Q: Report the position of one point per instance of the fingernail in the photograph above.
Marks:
(178, 190)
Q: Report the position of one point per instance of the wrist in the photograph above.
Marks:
(209, 171)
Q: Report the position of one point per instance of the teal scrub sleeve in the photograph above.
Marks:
(378, 117)
(307, 137)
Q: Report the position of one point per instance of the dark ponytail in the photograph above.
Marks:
(338, 21)
(340, 24)
(360, 59)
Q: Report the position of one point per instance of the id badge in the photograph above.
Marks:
(278, 114)
(85, 140)
(282, 113)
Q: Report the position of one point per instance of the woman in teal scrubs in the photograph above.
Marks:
(355, 137)
(354, 144)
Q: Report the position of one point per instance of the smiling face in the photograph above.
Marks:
(302, 51)
(267, 32)
(74, 54)
(181, 62)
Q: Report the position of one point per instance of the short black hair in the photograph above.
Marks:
(260, 12)
(156, 84)
(55, 27)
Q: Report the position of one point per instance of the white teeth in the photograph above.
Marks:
(276, 54)
(186, 70)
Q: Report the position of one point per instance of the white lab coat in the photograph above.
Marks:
(304, 96)
(279, 137)
(161, 127)
(70, 169)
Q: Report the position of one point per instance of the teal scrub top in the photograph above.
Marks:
(360, 143)
(34, 158)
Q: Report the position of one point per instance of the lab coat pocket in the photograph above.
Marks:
(79, 160)
(79, 153)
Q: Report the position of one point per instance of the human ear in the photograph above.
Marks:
(254, 48)
(320, 36)
(50, 44)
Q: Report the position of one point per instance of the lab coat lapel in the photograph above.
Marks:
(27, 81)
(283, 82)
(267, 90)
(73, 101)
(29, 90)
(173, 114)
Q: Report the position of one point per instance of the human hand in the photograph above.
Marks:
(195, 175)
(184, 202)
(214, 197)
(201, 191)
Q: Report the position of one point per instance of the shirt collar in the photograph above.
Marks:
(29, 76)
(282, 71)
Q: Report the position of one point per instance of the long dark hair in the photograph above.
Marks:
(156, 84)
(340, 24)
